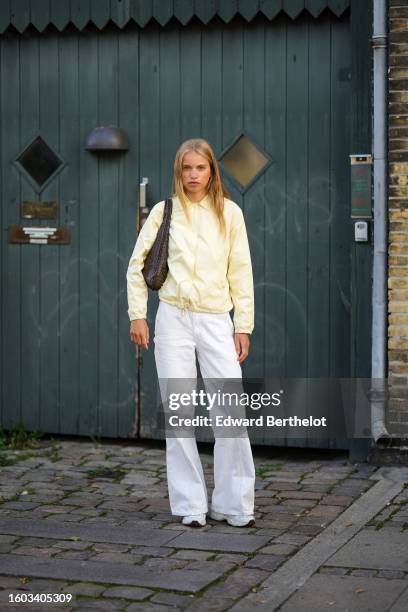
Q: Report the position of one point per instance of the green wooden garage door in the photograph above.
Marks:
(67, 363)
(286, 87)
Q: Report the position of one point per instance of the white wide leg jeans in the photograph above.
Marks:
(179, 335)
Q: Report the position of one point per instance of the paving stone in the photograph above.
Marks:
(299, 495)
(19, 505)
(292, 538)
(71, 545)
(98, 532)
(279, 549)
(333, 571)
(283, 486)
(99, 604)
(9, 582)
(109, 547)
(6, 539)
(34, 551)
(234, 586)
(363, 573)
(337, 500)
(265, 562)
(298, 503)
(138, 478)
(105, 572)
(342, 593)
(171, 599)
(142, 607)
(135, 593)
(219, 541)
(391, 574)
(326, 511)
(46, 585)
(84, 588)
(388, 550)
(166, 564)
(5, 548)
(72, 554)
(152, 551)
(194, 555)
(401, 605)
(236, 559)
(114, 557)
(310, 530)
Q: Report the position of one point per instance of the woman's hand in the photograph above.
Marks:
(139, 333)
(241, 346)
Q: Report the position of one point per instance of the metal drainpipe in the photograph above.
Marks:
(379, 291)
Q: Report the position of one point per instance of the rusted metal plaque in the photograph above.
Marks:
(39, 210)
(38, 235)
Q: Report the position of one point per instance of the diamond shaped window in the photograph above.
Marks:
(39, 162)
(244, 161)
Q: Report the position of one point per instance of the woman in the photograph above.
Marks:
(209, 274)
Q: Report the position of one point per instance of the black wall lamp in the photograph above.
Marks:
(107, 138)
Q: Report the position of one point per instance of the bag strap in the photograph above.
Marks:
(168, 207)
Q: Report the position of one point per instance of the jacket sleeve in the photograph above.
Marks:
(239, 275)
(137, 290)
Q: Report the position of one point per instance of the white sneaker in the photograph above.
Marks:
(235, 520)
(194, 520)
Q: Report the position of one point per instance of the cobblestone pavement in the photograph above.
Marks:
(92, 520)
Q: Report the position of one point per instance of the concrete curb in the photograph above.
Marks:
(293, 574)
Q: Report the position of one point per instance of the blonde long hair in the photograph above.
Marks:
(216, 189)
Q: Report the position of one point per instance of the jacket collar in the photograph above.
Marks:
(205, 202)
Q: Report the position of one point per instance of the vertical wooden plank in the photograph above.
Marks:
(271, 8)
(361, 254)
(80, 12)
(49, 255)
(190, 62)
(172, 103)
(232, 94)
(320, 226)
(184, 10)
(141, 11)
(88, 238)
(275, 187)
(204, 10)
(4, 15)
(150, 153)
(40, 14)
(340, 172)
(129, 114)
(10, 253)
(248, 8)
(315, 7)
(293, 7)
(69, 256)
(108, 237)
(100, 12)
(211, 90)
(30, 259)
(162, 11)
(296, 203)
(60, 13)
(255, 198)
(20, 14)
(227, 10)
(2, 229)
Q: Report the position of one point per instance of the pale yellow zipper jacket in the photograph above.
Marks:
(207, 271)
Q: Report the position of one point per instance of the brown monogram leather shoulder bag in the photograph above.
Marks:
(156, 267)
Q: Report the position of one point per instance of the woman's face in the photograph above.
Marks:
(195, 174)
